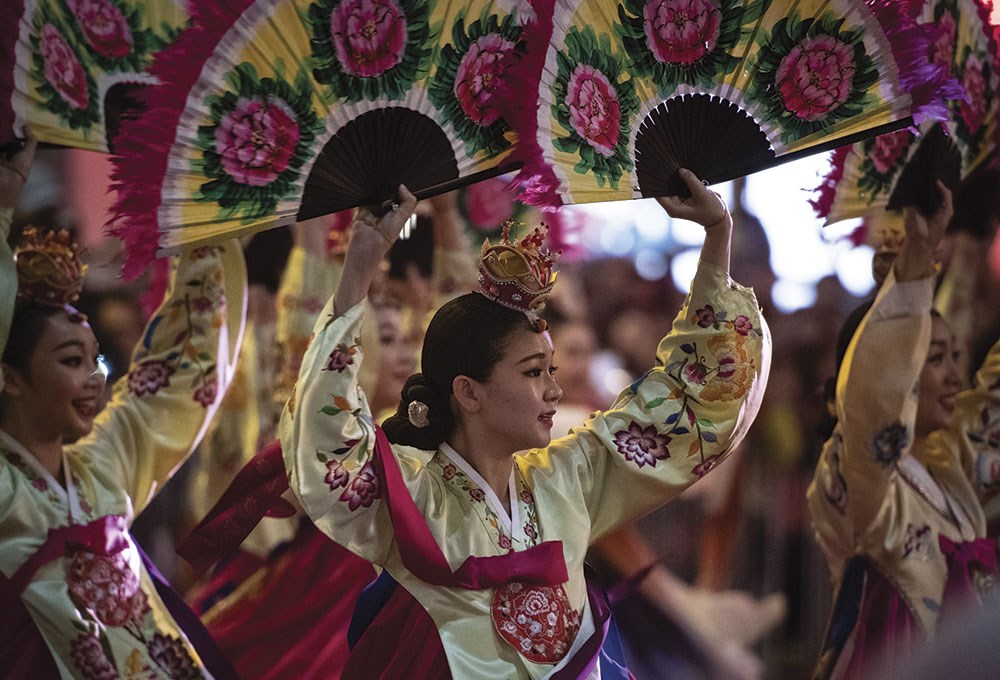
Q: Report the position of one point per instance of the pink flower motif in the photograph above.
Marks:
(171, 655)
(705, 316)
(477, 495)
(88, 655)
(681, 31)
(107, 586)
(448, 471)
(479, 75)
(149, 376)
(888, 149)
(40, 484)
(363, 489)
(973, 111)
(526, 496)
(742, 325)
(530, 531)
(695, 373)
(104, 26)
(594, 111)
(815, 77)
(62, 69)
(205, 395)
(257, 139)
(706, 466)
(488, 204)
(336, 475)
(202, 304)
(943, 48)
(642, 446)
(339, 359)
(504, 541)
(369, 35)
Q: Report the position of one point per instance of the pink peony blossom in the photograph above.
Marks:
(643, 446)
(363, 489)
(706, 466)
(695, 373)
(594, 111)
(340, 358)
(149, 376)
(336, 475)
(480, 74)
(257, 139)
(943, 48)
(888, 149)
(89, 657)
(206, 393)
(63, 70)
(681, 31)
(974, 110)
(106, 586)
(742, 324)
(816, 76)
(705, 316)
(104, 26)
(369, 35)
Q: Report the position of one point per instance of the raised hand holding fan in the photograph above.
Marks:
(70, 68)
(631, 91)
(893, 170)
(273, 111)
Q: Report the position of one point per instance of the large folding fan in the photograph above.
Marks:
(893, 170)
(633, 90)
(70, 68)
(273, 111)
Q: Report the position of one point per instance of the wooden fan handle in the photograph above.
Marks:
(451, 185)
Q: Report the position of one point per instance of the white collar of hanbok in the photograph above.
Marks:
(65, 492)
(511, 520)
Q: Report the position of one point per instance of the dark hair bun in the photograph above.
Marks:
(427, 428)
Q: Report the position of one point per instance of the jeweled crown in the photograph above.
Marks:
(517, 274)
(49, 270)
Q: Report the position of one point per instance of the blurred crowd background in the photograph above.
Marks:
(621, 276)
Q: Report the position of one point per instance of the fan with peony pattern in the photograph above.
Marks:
(273, 111)
(631, 91)
(71, 68)
(892, 170)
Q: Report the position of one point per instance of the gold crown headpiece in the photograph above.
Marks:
(517, 274)
(49, 270)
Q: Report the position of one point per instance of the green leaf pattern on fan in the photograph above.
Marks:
(366, 49)
(594, 102)
(64, 82)
(684, 41)
(883, 158)
(113, 34)
(262, 132)
(469, 71)
(812, 73)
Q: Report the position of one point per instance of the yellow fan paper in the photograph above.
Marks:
(280, 110)
(633, 90)
(68, 68)
(865, 177)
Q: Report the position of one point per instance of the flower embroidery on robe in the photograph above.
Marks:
(88, 654)
(149, 376)
(537, 621)
(917, 543)
(340, 358)
(106, 586)
(735, 371)
(363, 489)
(889, 442)
(171, 655)
(642, 446)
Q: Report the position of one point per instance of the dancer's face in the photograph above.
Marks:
(939, 381)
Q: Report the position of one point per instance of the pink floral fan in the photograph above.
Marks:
(630, 91)
(901, 168)
(276, 111)
(72, 68)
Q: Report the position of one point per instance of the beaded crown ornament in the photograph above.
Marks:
(518, 274)
(49, 270)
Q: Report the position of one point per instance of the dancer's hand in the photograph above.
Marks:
(703, 206)
(385, 230)
(923, 234)
(14, 170)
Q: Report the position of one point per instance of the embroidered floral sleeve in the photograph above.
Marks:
(180, 370)
(977, 427)
(876, 395)
(681, 419)
(327, 436)
(8, 279)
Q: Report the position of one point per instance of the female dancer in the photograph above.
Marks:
(78, 600)
(896, 499)
(488, 545)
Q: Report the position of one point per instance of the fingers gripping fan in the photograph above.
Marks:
(631, 91)
(898, 169)
(282, 110)
(70, 68)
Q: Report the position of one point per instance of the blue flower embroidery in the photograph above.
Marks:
(889, 443)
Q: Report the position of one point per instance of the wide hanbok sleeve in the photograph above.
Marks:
(180, 370)
(327, 436)
(675, 423)
(876, 396)
(976, 427)
(8, 279)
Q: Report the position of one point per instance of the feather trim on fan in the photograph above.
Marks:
(804, 76)
(60, 59)
(270, 112)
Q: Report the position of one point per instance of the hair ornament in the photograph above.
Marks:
(518, 274)
(416, 413)
(49, 270)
